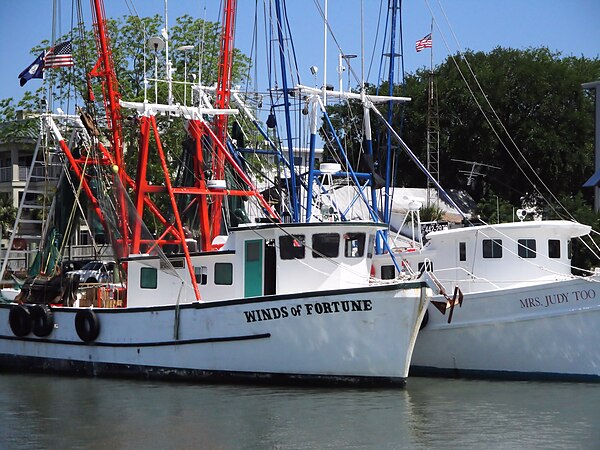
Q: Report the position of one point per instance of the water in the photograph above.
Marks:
(48, 412)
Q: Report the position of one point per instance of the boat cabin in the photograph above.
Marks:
(493, 256)
(259, 260)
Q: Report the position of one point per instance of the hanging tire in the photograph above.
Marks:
(19, 320)
(42, 319)
(87, 325)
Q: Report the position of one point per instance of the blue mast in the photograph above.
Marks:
(394, 5)
(286, 105)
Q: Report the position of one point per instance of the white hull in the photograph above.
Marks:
(534, 332)
(363, 335)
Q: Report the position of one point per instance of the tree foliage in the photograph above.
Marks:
(133, 59)
(540, 129)
(8, 213)
(133, 63)
(540, 121)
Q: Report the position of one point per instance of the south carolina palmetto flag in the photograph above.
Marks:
(33, 70)
(424, 43)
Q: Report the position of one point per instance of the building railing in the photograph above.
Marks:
(5, 174)
(39, 173)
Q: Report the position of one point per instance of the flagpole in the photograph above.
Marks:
(431, 37)
(46, 82)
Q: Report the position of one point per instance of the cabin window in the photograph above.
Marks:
(492, 248)
(326, 245)
(252, 250)
(553, 248)
(462, 251)
(201, 274)
(84, 237)
(148, 278)
(175, 263)
(569, 249)
(354, 245)
(388, 272)
(223, 273)
(526, 248)
(371, 246)
(292, 247)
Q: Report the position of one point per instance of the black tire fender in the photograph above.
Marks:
(19, 320)
(42, 319)
(87, 325)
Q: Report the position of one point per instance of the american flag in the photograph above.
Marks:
(424, 43)
(59, 56)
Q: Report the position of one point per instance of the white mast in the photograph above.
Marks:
(325, 55)
(168, 62)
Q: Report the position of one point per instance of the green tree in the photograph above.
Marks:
(8, 214)
(537, 97)
(133, 61)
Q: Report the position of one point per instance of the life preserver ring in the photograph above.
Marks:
(87, 325)
(425, 320)
(19, 320)
(42, 319)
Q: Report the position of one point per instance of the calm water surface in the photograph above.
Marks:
(39, 412)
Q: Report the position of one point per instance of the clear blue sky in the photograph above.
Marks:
(568, 26)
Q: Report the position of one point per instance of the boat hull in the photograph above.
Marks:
(548, 331)
(354, 336)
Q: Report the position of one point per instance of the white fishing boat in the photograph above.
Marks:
(262, 301)
(524, 314)
(272, 309)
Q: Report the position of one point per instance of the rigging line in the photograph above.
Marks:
(293, 49)
(271, 61)
(201, 36)
(286, 33)
(253, 52)
(71, 87)
(131, 8)
(326, 22)
(339, 47)
(486, 117)
(376, 39)
(497, 118)
(381, 59)
(76, 205)
(593, 241)
(80, 207)
(590, 250)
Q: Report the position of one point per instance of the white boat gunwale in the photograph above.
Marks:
(395, 284)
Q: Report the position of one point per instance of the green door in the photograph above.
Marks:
(253, 268)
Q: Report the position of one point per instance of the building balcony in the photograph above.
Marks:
(11, 174)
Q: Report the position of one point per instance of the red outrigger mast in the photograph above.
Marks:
(207, 198)
(222, 101)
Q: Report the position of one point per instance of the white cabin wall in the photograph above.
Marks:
(167, 288)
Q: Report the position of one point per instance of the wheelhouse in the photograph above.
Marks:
(260, 260)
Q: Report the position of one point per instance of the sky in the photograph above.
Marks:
(566, 26)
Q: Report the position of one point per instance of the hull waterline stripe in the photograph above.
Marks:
(100, 369)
